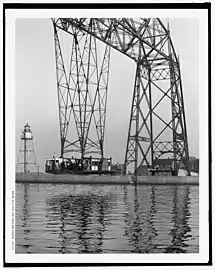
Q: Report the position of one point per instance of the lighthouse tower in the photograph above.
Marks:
(26, 160)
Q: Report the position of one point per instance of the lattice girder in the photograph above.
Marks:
(82, 93)
(146, 41)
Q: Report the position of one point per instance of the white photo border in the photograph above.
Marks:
(203, 255)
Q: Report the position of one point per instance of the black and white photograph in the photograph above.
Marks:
(107, 135)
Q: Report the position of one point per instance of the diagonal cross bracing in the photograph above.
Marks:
(82, 93)
(157, 83)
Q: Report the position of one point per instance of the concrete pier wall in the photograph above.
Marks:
(105, 179)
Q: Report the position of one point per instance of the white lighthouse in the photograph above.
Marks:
(26, 161)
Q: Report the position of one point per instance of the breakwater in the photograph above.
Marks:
(105, 179)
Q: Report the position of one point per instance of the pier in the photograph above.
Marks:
(103, 179)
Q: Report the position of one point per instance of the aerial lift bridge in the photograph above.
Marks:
(157, 123)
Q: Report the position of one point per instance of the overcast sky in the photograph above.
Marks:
(36, 92)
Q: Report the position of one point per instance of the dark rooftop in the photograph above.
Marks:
(165, 161)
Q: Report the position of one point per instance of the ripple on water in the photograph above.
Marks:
(106, 219)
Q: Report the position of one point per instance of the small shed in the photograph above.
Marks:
(164, 164)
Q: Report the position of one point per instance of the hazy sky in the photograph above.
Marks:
(36, 91)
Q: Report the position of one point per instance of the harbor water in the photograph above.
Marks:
(66, 218)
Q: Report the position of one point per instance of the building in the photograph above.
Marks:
(119, 168)
(163, 167)
(142, 170)
(194, 164)
(166, 164)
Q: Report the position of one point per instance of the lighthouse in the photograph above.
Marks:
(26, 160)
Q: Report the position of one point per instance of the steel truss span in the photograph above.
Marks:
(82, 89)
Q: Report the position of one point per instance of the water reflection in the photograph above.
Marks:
(84, 206)
(144, 219)
(82, 220)
(62, 237)
(140, 228)
(25, 220)
(180, 217)
(86, 219)
(103, 209)
(152, 232)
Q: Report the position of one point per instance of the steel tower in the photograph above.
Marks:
(26, 162)
(82, 92)
(157, 124)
